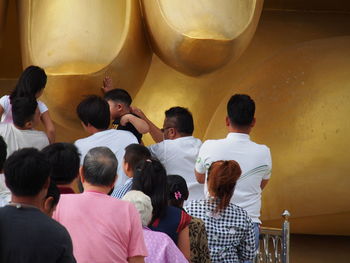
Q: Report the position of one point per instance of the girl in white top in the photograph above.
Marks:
(31, 83)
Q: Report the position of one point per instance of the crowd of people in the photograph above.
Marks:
(109, 198)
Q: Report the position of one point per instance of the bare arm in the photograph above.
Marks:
(184, 242)
(137, 259)
(1, 111)
(200, 177)
(155, 132)
(49, 126)
(140, 125)
(263, 184)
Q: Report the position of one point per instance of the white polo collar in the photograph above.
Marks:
(238, 136)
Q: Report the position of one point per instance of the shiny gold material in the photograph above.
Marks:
(302, 111)
(198, 37)
(80, 42)
(3, 9)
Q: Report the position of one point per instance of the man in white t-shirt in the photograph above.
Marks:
(95, 119)
(177, 149)
(5, 194)
(254, 159)
(21, 133)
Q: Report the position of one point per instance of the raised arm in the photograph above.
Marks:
(49, 126)
(155, 132)
(140, 125)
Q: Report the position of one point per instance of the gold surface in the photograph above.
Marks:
(198, 37)
(305, 124)
(3, 9)
(79, 43)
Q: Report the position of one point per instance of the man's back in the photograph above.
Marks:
(103, 228)
(179, 157)
(113, 139)
(28, 235)
(17, 139)
(255, 163)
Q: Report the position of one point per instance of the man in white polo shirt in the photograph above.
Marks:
(94, 114)
(177, 149)
(254, 159)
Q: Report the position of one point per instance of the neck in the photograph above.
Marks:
(27, 200)
(92, 130)
(95, 188)
(21, 128)
(245, 130)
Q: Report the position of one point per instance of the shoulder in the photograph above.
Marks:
(5, 101)
(42, 106)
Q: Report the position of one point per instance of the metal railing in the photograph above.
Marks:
(274, 243)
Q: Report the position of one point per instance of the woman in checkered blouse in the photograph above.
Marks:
(229, 228)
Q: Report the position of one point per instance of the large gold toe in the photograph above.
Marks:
(302, 98)
(80, 42)
(198, 37)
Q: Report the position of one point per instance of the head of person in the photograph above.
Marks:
(178, 123)
(240, 112)
(134, 153)
(27, 173)
(51, 199)
(94, 111)
(25, 112)
(119, 101)
(31, 83)
(142, 203)
(99, 168)
(64, 160)
(178, 191)
(3, 153)
(222, 179)
(151, 179)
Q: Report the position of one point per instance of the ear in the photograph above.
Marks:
(172, 132)
(81, 174)
(119, 106)
(227, 121)
(127, 166)
(116, 178)
(253, 123)
(48, 205)
(28, 125)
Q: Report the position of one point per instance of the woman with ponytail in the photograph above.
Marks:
(151, 179)
(230, 229)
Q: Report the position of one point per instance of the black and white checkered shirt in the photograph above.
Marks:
(230, 233)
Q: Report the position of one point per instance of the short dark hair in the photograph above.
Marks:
(23, 110)
(118, 95)
(94, 110)
(64, 160)
(26, 172)
(183, 120)
(100, 166)
(3, 152)
(151, 179)
(241, 110)
(32, 80)
(134, 153)
(53, 192)
(178, 190)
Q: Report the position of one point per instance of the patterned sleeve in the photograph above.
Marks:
(246, 249)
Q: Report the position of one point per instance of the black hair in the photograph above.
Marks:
(64, 160)
(3, 152)
(182, 118)
(100, 166)
(23, 110)
(53, 192)
(94, 110)
(241, 110)
(32, 80)
(151, 179)
(26, 172)
(178, 191)
(134, 153)
(118, 95)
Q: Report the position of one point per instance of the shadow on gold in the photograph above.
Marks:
(198, 37)
(79, 43)
(3, 9)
